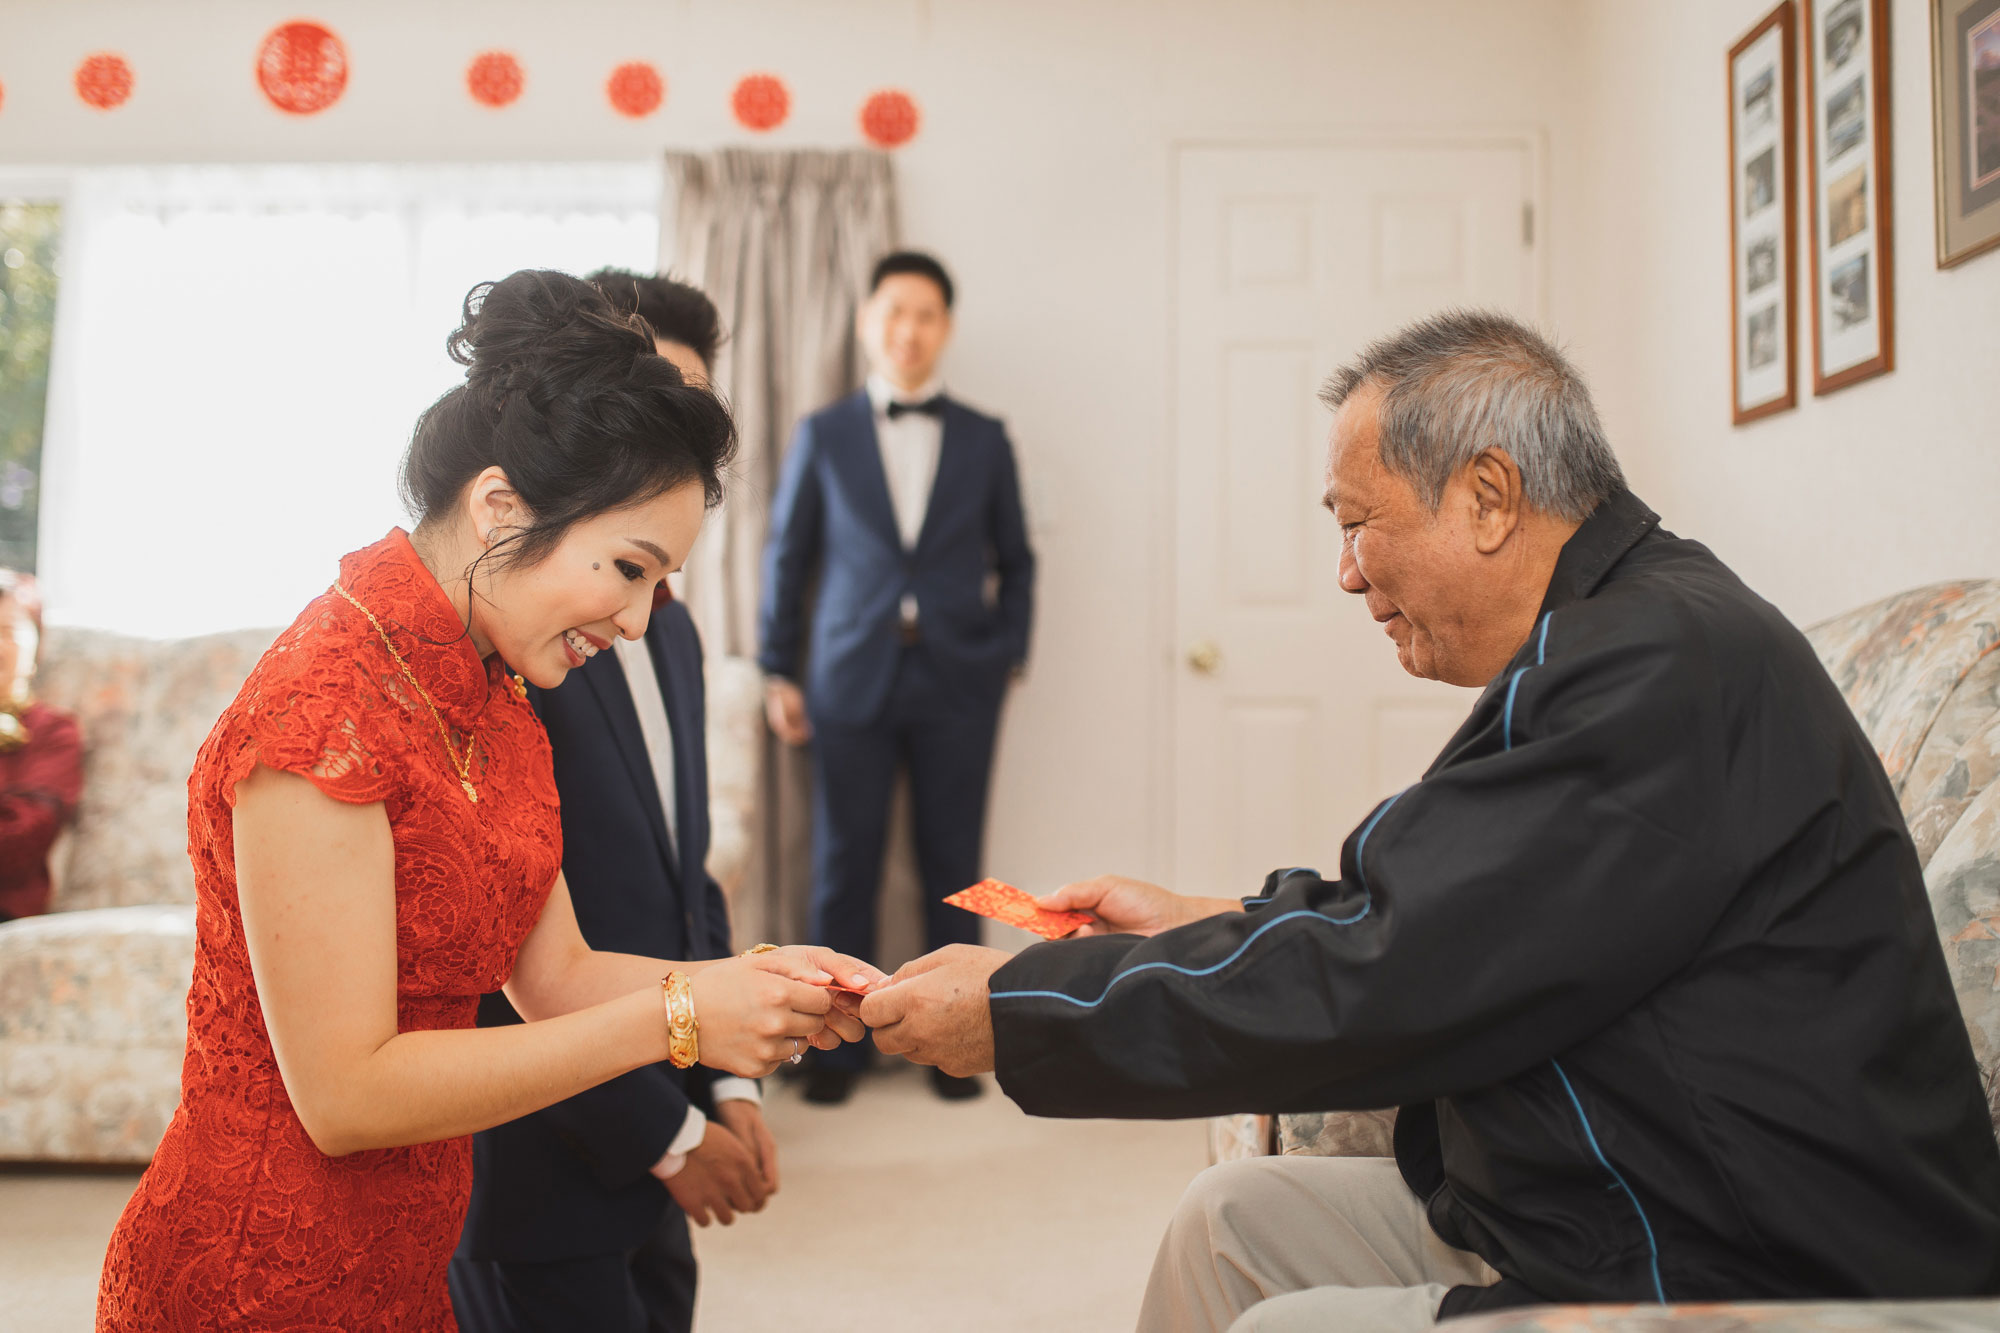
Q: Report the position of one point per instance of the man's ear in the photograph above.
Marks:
(1498, 501)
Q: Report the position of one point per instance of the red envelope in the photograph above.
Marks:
(1004, 902)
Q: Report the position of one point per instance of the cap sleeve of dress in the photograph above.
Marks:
(314, 706)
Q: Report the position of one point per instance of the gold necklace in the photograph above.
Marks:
(464, 766)
(13, 733)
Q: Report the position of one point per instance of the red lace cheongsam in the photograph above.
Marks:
(240, 1222)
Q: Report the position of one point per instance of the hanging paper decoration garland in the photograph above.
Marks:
(494, 78)
(889, 119)
(302, 68)
(635, 89)
(761, 102)
(104, 80)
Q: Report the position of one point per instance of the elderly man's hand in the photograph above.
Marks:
(1131, 907)
(934, 1010)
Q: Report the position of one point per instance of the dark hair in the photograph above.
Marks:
(569, 398)
(1462, 380)
(674, 310)
(911, 261)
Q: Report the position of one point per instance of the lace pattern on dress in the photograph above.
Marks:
(241, 1222)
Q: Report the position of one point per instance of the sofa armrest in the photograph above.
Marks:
(1338, 1134)
(93, 1030)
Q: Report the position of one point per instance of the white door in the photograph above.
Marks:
(1291, 716)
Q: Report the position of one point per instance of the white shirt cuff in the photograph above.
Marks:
(691, 1133)
(737, 1090)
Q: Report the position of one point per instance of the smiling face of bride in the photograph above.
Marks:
(565, 477)
(549, 614)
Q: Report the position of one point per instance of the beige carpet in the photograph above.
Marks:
(898, 1213)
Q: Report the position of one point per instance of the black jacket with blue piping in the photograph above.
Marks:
(1645, 958)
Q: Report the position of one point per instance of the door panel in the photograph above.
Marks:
(1291, 716)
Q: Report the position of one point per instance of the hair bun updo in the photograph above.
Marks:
(542, 333)
(570, 399)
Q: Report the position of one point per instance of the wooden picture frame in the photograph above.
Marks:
(1850, 191)
(1763, 218)
(1965, 127)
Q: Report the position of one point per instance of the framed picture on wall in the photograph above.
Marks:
(1847, 155)
(1965, 125)
(1763, 218)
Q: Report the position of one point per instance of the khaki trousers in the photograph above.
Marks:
(1288, 1244)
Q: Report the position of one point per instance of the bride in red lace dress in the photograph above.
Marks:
(373, 825)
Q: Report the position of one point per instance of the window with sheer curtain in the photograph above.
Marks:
(241, 352)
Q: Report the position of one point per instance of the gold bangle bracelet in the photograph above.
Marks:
(683, 1030)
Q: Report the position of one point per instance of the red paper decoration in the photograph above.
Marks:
(636, 89)
(302, 68)
(889, 119)
(3, 96)
(104, 80)
(761, 102)
(494, 78)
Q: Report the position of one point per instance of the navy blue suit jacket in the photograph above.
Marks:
(574, 1179)
(832, 520)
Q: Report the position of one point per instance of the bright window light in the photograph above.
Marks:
(241, 353)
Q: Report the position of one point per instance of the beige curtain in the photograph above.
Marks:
(782, 243)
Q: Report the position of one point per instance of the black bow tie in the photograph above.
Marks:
(930, 407)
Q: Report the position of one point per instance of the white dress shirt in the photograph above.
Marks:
(658, 733)
(910, 446)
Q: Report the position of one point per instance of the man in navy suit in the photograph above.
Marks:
(903, 505)
(579, 1212)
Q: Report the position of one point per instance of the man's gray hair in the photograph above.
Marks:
(1467, 380)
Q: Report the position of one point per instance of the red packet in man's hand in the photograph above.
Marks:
(1004, 902)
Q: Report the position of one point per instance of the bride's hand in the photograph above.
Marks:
(843, 1021)
(755, 1013)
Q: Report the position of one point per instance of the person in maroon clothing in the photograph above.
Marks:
(41, 759)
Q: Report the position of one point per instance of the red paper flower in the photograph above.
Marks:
(104, 80)
(302, 68)
(761, 102)
(494, 78)
(636, 89)
(889, 119)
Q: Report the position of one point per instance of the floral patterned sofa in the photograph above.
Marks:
(93, 996)
(1922, 672)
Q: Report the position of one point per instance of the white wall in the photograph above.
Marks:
(1042, 175)
(1885, 485)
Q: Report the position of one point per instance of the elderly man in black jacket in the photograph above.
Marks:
(1645, 957)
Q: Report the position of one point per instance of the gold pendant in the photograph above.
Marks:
(470, 794)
